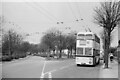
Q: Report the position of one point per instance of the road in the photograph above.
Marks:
(37, 67)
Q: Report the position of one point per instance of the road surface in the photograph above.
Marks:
(37, 67)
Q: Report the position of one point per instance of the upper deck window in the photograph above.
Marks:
(85, 36)
(80, 36)
(88, 36)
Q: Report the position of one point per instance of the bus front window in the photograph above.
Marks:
(81, 36)
(88, 51)
(88, 36)
(80, 51)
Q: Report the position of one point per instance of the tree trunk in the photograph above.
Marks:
(106, 56)
(53, 53)
(48, 54)
(57, 53)
(60, 55)
(71, 53)
(107, 45)
(74, 53)
(68, 55)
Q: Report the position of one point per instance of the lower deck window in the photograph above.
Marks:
(80, 51)
(88, 51)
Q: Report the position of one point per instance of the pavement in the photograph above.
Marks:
(111, 71)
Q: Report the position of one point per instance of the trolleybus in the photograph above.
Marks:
(87, 49)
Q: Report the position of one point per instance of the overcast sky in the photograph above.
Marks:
(33, 17)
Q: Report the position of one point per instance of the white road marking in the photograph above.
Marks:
(65, 67)
(42, 76)
(42, 73)
(50, 72)
(49, 75)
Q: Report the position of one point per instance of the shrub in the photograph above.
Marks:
(6, 58)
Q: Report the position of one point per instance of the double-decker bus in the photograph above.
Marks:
(87, 49)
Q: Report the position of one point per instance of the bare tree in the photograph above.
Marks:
(49, 40)
(54, 40)
(25, 47)
(43, 47)
(11, 41)
(103, 37)
(108, 17)
(70, 43)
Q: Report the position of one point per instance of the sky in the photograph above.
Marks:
(35, 18)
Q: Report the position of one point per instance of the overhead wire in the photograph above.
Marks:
(41, 12)
(50, 16)
(78, 9)
(47, 11)
(59, 21)
(76, 18)
(72, 11)
(80, 17)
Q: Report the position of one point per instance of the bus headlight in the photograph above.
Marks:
(77, 58)
(90, 60)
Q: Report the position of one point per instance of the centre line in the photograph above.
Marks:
(58, 69)
(50, 75)
(42, 73)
